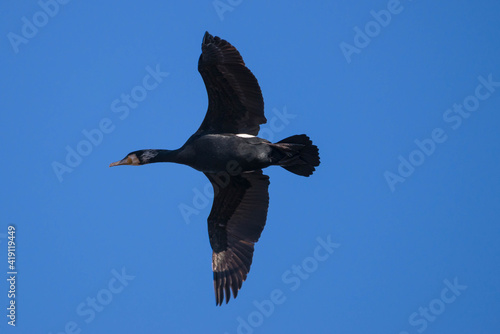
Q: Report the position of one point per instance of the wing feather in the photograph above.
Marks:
(235, 224)
(235, 102)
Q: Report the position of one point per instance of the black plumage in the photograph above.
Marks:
(235, 102)
(225, 148)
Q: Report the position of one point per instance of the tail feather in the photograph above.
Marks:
(298, 155)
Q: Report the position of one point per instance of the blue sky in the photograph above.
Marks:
(396, 232)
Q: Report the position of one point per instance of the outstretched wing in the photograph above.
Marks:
(235, 103)
(235, 223)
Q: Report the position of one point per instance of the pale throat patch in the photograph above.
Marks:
(244, 135)
(134, 159)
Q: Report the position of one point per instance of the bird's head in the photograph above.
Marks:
(136, 158)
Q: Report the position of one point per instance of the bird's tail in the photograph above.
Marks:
(298, 155)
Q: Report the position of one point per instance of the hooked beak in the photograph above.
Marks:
(126, 161)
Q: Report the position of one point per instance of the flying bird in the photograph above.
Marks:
(227, 150)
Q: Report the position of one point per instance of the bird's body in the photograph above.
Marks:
(212, 153)
(226, 149)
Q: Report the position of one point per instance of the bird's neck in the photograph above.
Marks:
(162, 156)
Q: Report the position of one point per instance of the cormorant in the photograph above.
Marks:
(225, 148)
